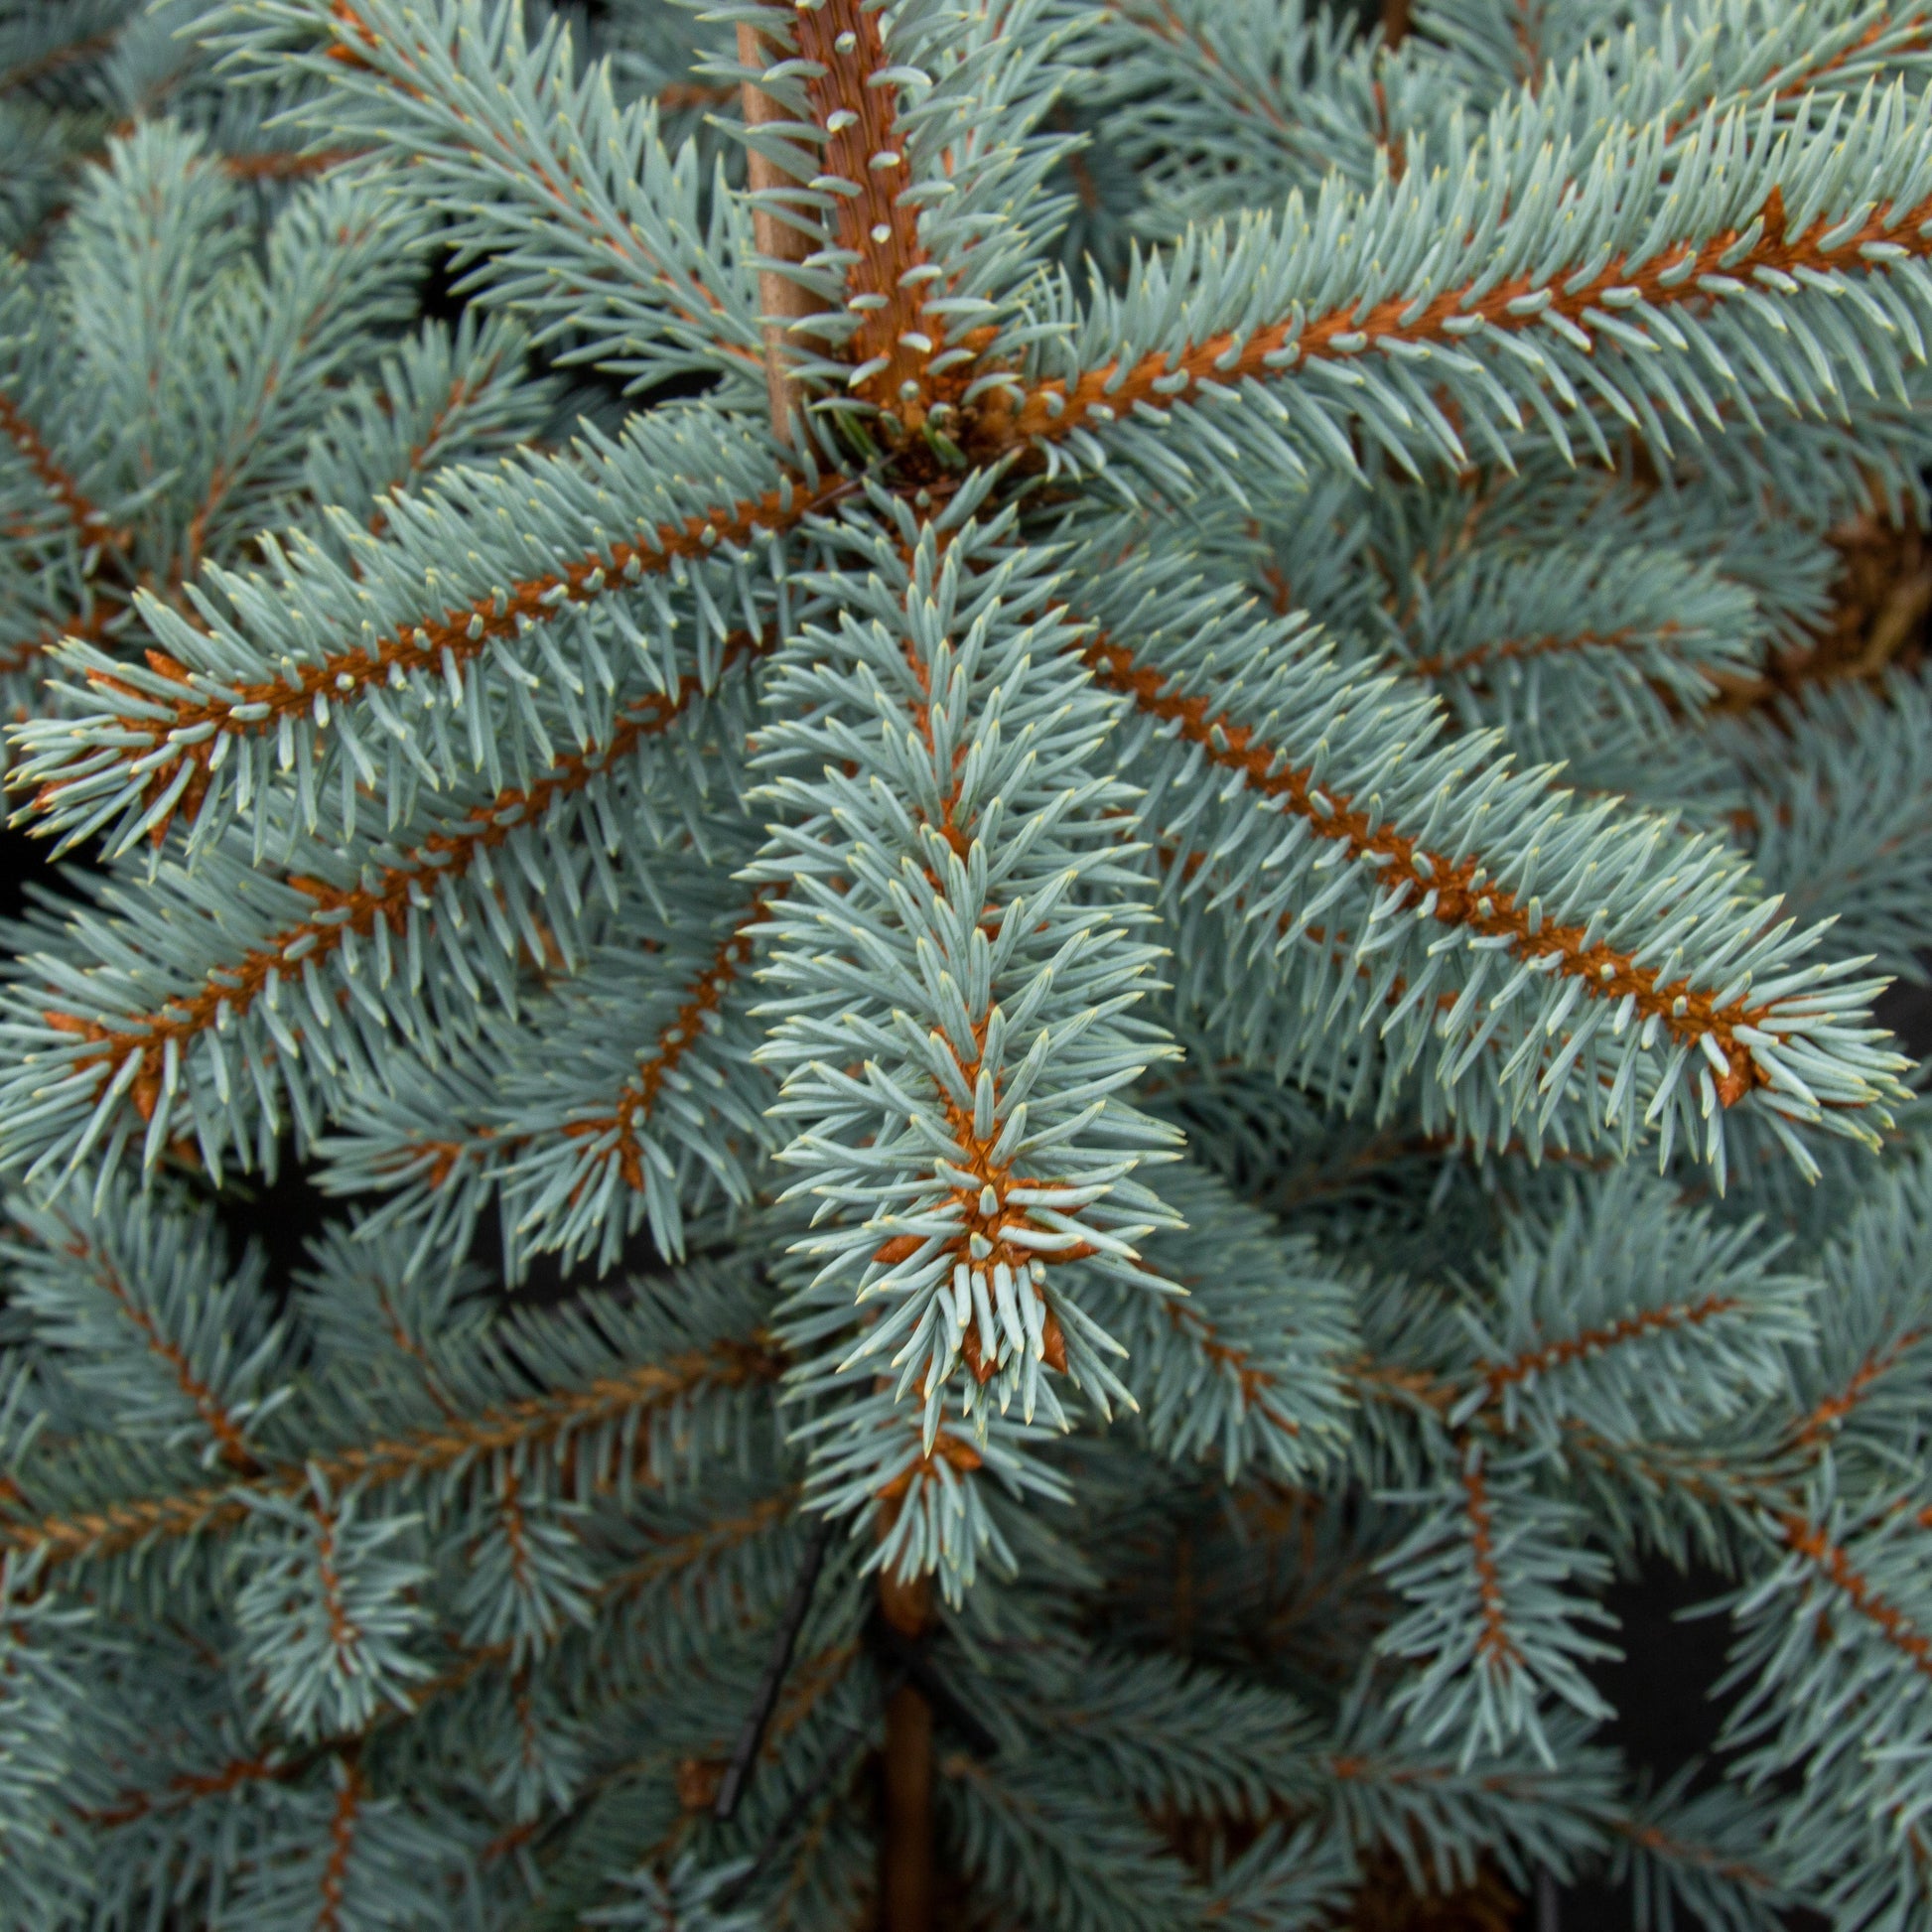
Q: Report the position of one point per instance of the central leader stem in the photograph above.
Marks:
(905, 1879)
(906, 1875)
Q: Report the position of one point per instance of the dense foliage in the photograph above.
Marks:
(1104, 754)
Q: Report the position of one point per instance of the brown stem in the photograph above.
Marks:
(1395, 20)
(906, 1876)
(875, 229)
(780, 299)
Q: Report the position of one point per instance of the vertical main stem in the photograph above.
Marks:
(906, 1887)
(780, 299)
(907, 1890)
(906, 1869)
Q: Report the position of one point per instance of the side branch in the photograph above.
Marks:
(539, 1422)
(1824, 1419)
(1689, 272)
(1701, 1858)
(1497, 1377)
(187, 1788)
(341, 910)
(228, 1437)
(1834, 1562)
(524, 159)
(1494, 1644)
(1629, 637)
(56, 59)
(527, 1155)
(93, 526)
(162, 736)
(617, 1131)
(1449, 890)
(1257, 1383)
(1889, 35)
(341, 1845)
(668, 1563)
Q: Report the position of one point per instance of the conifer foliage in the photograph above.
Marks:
(1107, 754)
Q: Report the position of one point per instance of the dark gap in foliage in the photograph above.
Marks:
(1659, 1689)
(281, 1216)
(548, 1282)
(27, 861)
(1907, 1010)
(439, 301)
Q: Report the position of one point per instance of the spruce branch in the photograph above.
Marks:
(1830, 1412)
(29, 443)
(1464, 889)
(925, 230)
(148, 1305)
(772, 827)
(1250, 1360)
(595, 1110)
(507, 135)
(1810, 51)
(963, 1249)
(221, 1426)
(622, 1128)
(1284, 99)
(552, 1422)
(48, 50)
(1610, 308)
(1837, 1566)
(398, 901)
(837, 50)
(162, 755)
(444, 395)
(674, 1564)
(1704, 1855)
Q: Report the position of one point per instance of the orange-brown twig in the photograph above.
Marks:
(341, 910)
(1605, 972)
(1500, 1376)
(1834, 1562)
(197, 720)
(1670, 277)
(641, 1091)
(91, 525)
(451, 1444)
